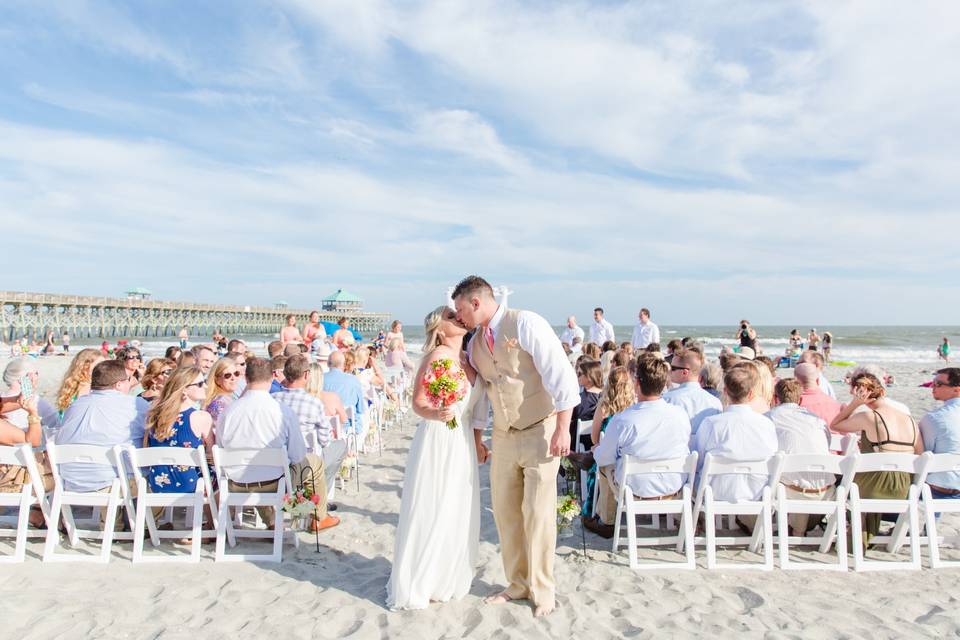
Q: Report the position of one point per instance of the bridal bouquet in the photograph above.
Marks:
(445, 384)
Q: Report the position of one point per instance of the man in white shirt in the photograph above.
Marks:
(651, 429)
(257, 421)
(688, 394)
(601, 330)
(572, 331)
(739, 433)
(644, 332)
(800, 431)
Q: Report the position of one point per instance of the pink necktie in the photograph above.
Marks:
(488, 335)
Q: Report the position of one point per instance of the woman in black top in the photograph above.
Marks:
(590, 377)
(747, 336)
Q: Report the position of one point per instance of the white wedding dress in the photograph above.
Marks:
(435, 554)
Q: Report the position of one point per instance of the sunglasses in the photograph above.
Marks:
(134, 358)
(940, 383)
(202, 383)
(229, 376)
(676, 368)
(166, 372)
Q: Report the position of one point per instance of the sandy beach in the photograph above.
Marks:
(339, 592)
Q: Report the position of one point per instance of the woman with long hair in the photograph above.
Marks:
(132, 360)
(154, 377)
(313, 330)
(332, 404)
(172, 421)
(76, 381)
(438, 534)
(221, 385)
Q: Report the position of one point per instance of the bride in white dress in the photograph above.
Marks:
(438, 534)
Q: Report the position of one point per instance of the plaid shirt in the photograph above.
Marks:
(310, 412)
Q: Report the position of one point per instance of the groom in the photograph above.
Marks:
(531, 385)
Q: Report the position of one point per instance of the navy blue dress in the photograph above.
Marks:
(169, 478)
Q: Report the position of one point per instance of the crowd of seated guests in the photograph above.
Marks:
(737, 407)
(189, 398)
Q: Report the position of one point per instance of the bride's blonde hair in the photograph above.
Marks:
(431, 328)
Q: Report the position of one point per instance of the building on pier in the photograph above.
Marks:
(33, 314)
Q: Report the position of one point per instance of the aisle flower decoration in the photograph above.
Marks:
(445, 385)
(567, 510)
(303, 502)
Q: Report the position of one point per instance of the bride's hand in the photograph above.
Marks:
(445, 414)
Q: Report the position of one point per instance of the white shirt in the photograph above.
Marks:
(257, 421)
(826, 387)
(695, 402)
(800, 431)
(644, 334)
(536, 337)
(651, 430)
(601, 331)
(742, 434)
(569, 334)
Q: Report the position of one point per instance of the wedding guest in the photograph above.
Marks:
(13, 373)
(696, 403)
(221, 387)
(172, 353)
(186, 359)
(799, 431)
(572, 331)
(818, 360)
(590, 379)
(396, 333)
(882, 429)
(592, 351)
(880, 374)
(154, 377)
(601, 330)
(237, 346)
(76, 380)
(105, 417)
(313, 330)
(290, 334)
(672, 347)
(276, 365)
(239, 359)
(333, 405)
(940, 429)
(274, 348)
(651, 429)
(13, 477)
(133, 361)
(812, 397)
(174, 421)
(205, 357)
(347, 387)
(311, 413)
(711, 376)
(258, 421)
(739, 432)
(576, 349)
(645, 331)
(396, 357)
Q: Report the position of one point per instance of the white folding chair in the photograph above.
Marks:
(762, 508)
(842, 443)
(909, 507)
(193, 502)
(939, 463)
(336, 431)
(630, 505)
(30, 494)
(236, 460)
(584, 427)
(353, 435)
(836, 509)
(63, 501)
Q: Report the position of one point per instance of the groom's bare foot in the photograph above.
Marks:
(544, 610)
(500, 598)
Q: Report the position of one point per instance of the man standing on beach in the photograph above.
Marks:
(532, 388)
(601, 330)
(572, 331)
(644, 332)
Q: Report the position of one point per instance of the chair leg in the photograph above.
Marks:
(138, 526)
(23, 520)
(914, 530)
(783, 530)
(631, 534)
(856, 537)
(841, 523)
(710, 526)
(686, 526)
(110, 523)
(933, 539)
(767, 535)
(53, 529)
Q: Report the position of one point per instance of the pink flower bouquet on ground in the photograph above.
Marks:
(445, 385)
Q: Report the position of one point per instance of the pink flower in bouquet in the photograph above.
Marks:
(445, 384)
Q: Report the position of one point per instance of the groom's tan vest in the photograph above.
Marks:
(512, 382)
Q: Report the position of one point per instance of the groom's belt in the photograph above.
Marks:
(532, 424)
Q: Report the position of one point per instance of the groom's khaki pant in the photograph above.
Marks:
(523, 488)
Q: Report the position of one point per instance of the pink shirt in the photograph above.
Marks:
(820, 404)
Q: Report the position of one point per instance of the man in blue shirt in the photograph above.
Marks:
(347, 386)
(941, 431)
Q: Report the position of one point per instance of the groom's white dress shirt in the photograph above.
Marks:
(536, 337)
(601, 331)
(644, 334)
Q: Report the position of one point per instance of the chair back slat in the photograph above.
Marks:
(172, 456)
(720, 465)
(633, 466)
(81, 453)
(251, 457)
(11, 455)
(904, 462)
(812, 463)
(941, 462)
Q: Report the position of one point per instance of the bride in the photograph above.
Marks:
(439, 530)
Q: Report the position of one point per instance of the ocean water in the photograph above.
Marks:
(862, 344)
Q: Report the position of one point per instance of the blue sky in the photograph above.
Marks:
(786, 162)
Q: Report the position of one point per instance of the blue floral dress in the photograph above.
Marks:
(175, 479)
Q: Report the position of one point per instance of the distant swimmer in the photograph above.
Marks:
(943, 351)
(813, 340)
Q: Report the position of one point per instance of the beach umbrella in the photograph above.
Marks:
(332, 327)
